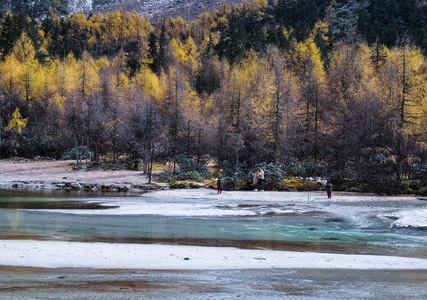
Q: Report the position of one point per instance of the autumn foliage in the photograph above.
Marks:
(236, 85)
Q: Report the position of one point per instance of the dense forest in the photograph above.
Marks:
(336, 89)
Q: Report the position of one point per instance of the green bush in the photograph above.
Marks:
(191, 169)
(273, 174)
(80, 152)
(422, 191)
(193, 175)
(188, 169)
(304, 168)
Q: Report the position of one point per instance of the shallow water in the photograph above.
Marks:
(356, 227)
(307, 284)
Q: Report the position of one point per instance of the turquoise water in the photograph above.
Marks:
(356, 227)
(352, 228)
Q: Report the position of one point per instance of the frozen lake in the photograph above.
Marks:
(368, 226)
(365, 224)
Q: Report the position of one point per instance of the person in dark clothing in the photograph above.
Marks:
(219, 185)
(329, 189)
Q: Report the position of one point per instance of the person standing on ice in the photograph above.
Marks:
(255, 181)
(261, 179)
(219, 185)
(329, 189)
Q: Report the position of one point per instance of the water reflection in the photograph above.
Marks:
(54, 205)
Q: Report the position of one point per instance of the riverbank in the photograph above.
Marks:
(20, 173)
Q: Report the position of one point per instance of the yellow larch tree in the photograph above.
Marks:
(310, 70)
(150, 83)
(201, 28)
(310, 64)
(11, 73)
(186, 53)
(177, 27)
(44, 85)
(17, 123)
(139, 28)
(238, 97)
(88, 71)
(120, 81)
(355, 101)
(403, 81)
(66, 79)
(279, 90)
(115, 29)
(25, 54)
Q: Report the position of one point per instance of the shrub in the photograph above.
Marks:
(422, 191)
(193, 175)
(300, 184)
(305, 168)
(294, 184)
(274, 177)
(179, 185)
(188, 169)
(191, 169)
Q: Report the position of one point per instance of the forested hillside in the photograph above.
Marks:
(306, 88)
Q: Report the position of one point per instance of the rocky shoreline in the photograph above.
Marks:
(62, 175)
(82, 186)
(24, 174)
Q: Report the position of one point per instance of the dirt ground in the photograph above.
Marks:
(43, 173)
